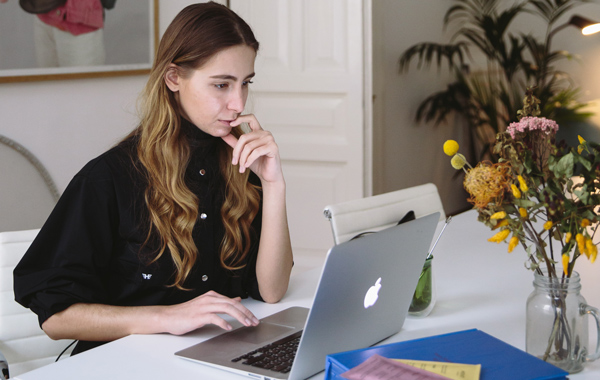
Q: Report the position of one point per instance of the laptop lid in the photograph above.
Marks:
(363, 296)
(364, 292)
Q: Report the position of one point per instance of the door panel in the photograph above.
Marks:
(309, 93)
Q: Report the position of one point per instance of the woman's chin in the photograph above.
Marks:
(222, 132)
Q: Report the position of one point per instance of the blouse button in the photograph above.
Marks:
(204, 278)
(203, 216)
(202, 172)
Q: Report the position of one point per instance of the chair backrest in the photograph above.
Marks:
(27, 192)
(377, 212)
(24, 345)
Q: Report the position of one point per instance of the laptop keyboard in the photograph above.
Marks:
(277, 356)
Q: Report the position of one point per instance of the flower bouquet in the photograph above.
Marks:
(545, 196)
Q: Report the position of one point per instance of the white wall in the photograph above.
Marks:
(408, 154)
(66, 123)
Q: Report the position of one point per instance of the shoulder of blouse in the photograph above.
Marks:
(115, 162)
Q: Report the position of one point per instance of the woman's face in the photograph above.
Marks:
(215, 94)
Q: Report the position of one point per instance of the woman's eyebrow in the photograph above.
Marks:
(230, 77)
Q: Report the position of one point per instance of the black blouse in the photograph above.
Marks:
(91, 249)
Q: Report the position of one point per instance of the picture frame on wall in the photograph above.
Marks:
(130, 37)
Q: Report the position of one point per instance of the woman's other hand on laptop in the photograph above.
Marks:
(204, 310)
(97, 322)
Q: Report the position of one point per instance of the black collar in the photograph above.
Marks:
(197, 137)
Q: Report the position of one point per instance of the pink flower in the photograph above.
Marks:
(531, 123)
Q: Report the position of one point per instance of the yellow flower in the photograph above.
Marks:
(593, 254)
(548, 225)
(512, 243)
(450, 147)
(502, 223)
(568, 237)
(523, 213)
(580, 242)
(565, 263)
(500, 236)
(486, 183)
(498, 215)
(581, 146)
(515, 191)
(458, 161)
(585, 222)
(522, 184)
(591, 251)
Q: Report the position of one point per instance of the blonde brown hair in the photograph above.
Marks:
(197, 33)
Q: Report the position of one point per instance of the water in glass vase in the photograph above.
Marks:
(424, 297)
(557, 330)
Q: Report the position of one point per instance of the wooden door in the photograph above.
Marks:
(308, 92)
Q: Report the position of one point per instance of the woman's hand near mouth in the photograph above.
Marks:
(256, 150)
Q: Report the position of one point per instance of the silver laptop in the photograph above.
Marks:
(362, 298)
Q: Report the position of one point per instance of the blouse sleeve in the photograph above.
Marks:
(65, 262)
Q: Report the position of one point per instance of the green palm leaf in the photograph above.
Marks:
(514, 61)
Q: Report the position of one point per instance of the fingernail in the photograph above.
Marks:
(256, 321)
(248, 323)
(228, 327)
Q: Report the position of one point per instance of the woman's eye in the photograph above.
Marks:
(221, 85)
(247, 82)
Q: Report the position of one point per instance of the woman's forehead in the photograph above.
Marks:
(236, 62)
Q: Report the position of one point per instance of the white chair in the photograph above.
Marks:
(23, 343)
(378, 212)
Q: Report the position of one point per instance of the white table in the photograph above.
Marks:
(479, 285)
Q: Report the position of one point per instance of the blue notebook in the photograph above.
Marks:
(499, 360)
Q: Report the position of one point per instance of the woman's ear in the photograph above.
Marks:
(172, 77)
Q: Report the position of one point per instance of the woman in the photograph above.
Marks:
(169, 228)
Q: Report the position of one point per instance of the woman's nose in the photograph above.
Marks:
(237, 100)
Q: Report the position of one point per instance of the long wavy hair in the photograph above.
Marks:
(196, 34)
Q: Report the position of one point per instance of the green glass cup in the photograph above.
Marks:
(423, 300)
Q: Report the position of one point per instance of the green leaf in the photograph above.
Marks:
(564, 166)
(583, 194)
(586, 164)
(525, 203)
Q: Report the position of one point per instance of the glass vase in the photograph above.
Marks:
(424, 297)
(557, 330)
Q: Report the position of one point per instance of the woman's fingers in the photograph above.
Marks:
(249, 119)
(205, 309)
(219, 304)
(253, 146)
(256, 150)
(240, 145)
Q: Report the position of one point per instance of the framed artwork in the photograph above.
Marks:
(129, 37)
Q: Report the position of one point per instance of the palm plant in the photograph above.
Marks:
(488, 99)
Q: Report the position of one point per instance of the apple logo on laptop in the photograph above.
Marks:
(372, 294)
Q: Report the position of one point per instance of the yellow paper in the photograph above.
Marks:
(452, 371)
